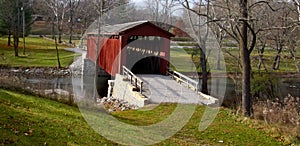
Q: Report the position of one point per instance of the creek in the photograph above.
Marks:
(62, 86)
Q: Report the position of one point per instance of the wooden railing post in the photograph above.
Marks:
(185, 80)
(134, 80)
(141, 87)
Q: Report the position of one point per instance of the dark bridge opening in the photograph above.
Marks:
(148, 65)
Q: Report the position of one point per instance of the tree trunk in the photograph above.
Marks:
(71, 22)
(261, 59)
(246, 96)
(57, 53)
(59, 34)
(16, 44)
(96, 94)
(9, 38)
(204, 88)
(24, 25)
(294, 58)
(276, 63)
(53, 27)
(71, 34)
(245, 57)
(16, 31)
(219, 57)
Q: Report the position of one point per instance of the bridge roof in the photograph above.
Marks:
(120, 29)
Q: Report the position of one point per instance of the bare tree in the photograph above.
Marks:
(73, 5)
(59, 9)
(8, 17)
(10, 14)
(201, 29)
(168, 7)
(297, 4)
(152, 8)
(17, 29)
(24, 25)
(240, 26)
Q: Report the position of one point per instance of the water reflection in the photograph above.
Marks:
(66, 87)
(59, 88)
(283, 87)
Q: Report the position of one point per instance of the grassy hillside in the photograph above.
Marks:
(29, 120)
(39, 52)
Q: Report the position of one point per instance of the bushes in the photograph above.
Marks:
(264, 86)
(285, 113)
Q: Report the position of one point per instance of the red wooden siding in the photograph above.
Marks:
(165, 56)
(111, 58)
(108, 54)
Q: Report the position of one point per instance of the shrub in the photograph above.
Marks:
(285, 113)
(264, 86)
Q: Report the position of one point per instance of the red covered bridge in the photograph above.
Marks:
(141, 46)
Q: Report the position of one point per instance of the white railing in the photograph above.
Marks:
(134, 80)
(183, 79)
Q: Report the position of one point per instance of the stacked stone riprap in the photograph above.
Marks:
(112, 104)
(35, 71)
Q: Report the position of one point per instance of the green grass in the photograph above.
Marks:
(287, 64)
(39, 52)
(182, 60)
(29, 120)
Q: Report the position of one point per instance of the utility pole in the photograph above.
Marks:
(24, 24)
(97, 69)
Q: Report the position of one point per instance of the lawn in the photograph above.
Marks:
(29, 120)
(287, 64)
(182, 58)
(39, 52)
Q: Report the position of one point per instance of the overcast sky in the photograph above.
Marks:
(138, 2)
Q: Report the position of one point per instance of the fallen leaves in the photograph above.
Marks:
(29, 132)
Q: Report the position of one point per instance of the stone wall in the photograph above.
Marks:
(88, 67)
(123, 90)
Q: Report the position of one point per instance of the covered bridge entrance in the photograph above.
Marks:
(141, 46)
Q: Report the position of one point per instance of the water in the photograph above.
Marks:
(229, 89)
(58, 87)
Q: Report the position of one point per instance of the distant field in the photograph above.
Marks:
(39, 52)
(41, 28)
(182, 58)
(45, 28)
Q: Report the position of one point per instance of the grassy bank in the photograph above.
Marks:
(39, 52)
(29, 120)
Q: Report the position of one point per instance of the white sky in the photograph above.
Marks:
(138, 2)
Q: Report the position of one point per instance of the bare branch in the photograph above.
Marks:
(262, 2)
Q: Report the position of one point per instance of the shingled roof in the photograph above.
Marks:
(119, 29)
